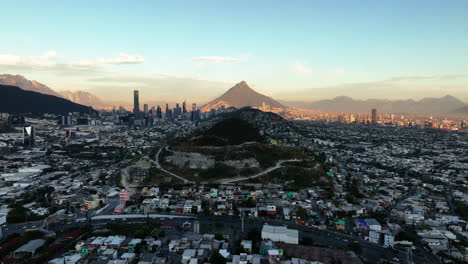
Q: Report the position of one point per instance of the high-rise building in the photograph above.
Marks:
(121, 110)
(136, 102)
(29, 136)
(168, 113)
(65, 120)
(374, 116)
(177, 111)
(340, 119)
(194, 107)
(184, 107)
(159, 112)
(145, 108)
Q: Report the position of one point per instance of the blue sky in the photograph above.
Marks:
(293, 50)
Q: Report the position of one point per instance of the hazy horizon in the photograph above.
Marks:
(197, 50)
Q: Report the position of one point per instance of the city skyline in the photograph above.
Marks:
(307, 51)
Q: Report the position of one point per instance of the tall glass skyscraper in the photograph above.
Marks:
(136, 102)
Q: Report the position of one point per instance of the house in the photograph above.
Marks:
(247, 245)
(129, 257)
(389, 240)
(373, 224)
(280, 234)
(374, 236)
(340, 225)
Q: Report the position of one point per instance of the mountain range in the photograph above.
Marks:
(428, 106)
(15, 100)
(25, 84)
(79, 97)
(241, 95)
(83, 97)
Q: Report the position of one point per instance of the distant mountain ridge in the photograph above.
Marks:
(79, 97)
(15, 100)
(25, 84)
(429, 106)
(241, 95)
(83, 97)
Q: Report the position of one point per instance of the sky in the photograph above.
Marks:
(291, 50)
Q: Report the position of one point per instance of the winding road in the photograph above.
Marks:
(158, 165)
(278, 165)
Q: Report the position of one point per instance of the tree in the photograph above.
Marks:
(217, 258)
(356, 247)
(302, 213)
(219, 236)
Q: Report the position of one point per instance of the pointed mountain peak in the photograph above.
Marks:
(241, 95)
(449, 97)
(241, 86)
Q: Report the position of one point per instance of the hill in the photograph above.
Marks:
(463, 111)
(241, 95)
(17, 100)
(428, 106)
(232, 149)
(25, 84)
(79, 97)
(84, 98)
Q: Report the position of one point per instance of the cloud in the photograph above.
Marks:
(301, 68)
(220, 59)
(426, 77)
(123, 58)
(48, 59)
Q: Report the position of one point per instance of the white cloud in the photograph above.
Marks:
(48, 59)
(220, 59)
(123, 58)
(427, 77)
(301, 68)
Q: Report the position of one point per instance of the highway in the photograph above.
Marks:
(371, 252)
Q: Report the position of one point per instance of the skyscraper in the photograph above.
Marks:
(136, 102)
(168, 112)
(184, 107)
(145, 108)
(159, 112)
(29, 136)
(374, 116)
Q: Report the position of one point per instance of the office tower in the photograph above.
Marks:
(121, 110)
(168, 112)
(65, 120)
(136, 102)
(16, 120)
(145, 108)
(195, 114)
(184, 107)
(29, 136)
(159, 112)
(374, 116)
(177, 111)
(340, 119)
